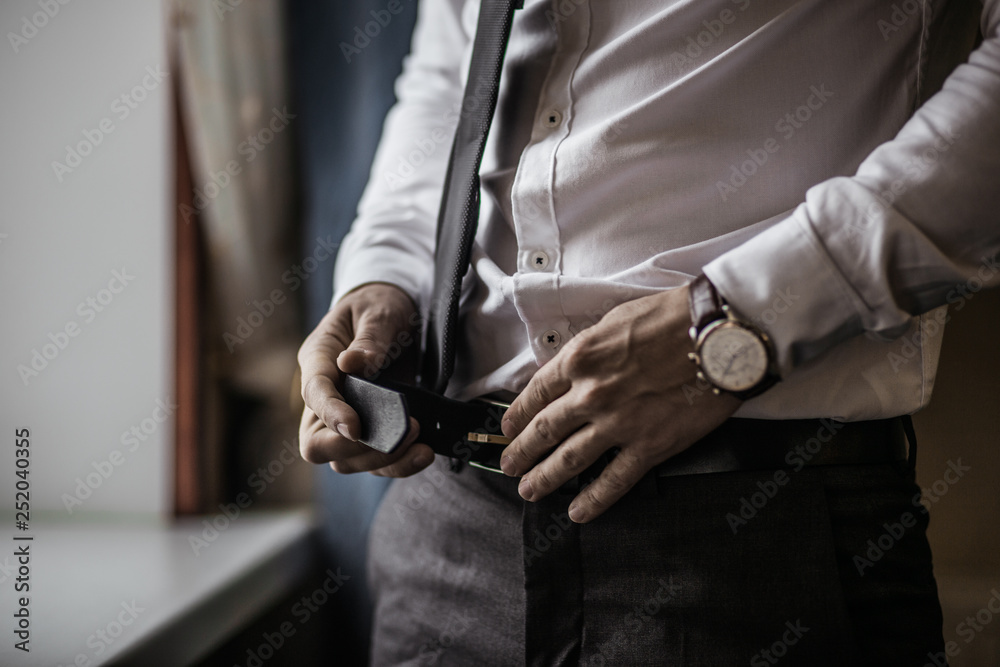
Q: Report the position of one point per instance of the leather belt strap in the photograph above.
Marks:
(471, 432)
(466, 431)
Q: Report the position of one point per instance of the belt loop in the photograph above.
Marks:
(911, 438)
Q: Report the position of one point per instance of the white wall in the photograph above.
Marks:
(63, 240)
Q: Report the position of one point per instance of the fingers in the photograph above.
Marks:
(383, 332)
(571, 458)
(317, 359)
(623, 473)
(319, 444)
(549, 427)
(409, 459)
(548, 384)
(352, 338)
(321, 397)
(418, 457)
(366, 331)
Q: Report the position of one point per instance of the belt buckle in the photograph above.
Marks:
(473, 436)
(571, 487)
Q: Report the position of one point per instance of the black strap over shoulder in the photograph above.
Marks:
(458, 217)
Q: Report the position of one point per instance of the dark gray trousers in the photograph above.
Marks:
(824, 566)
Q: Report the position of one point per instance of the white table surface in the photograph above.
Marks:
(83, 573)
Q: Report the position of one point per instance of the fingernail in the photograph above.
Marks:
(507, 465)
(422, 460)
(342, 429)
(507, 427)
(576, 515)
(524, 488)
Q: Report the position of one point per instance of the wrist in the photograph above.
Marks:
(380, 288)
(733, 355)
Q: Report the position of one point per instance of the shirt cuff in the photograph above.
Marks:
(382, 265)
(783, 281)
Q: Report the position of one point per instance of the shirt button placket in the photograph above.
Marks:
(539, 260)
(551, 339)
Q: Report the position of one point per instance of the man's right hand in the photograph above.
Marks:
(370, 322)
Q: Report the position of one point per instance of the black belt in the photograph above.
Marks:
(470, 432)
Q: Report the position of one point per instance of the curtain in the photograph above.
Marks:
(232, 82)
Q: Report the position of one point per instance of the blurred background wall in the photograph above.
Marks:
(962, 426)
(86, 316)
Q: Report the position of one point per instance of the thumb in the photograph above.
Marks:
(375, 345)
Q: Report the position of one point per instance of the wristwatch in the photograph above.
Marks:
(732, 355)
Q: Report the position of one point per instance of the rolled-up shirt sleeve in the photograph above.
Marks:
(917, 226)
(392, 238)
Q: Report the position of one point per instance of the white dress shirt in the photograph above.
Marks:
(798, 152)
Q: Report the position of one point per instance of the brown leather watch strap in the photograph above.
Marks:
(704, 302)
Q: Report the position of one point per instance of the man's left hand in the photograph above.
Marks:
(620, 383)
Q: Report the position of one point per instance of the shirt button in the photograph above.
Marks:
(552, 118)
(539, 260)
(551, 339)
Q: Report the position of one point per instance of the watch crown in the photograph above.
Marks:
(700, 375)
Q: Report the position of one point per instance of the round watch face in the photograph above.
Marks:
(733, 358)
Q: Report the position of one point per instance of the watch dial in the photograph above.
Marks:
(733, 358)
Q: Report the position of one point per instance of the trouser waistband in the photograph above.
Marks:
(470, 432)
